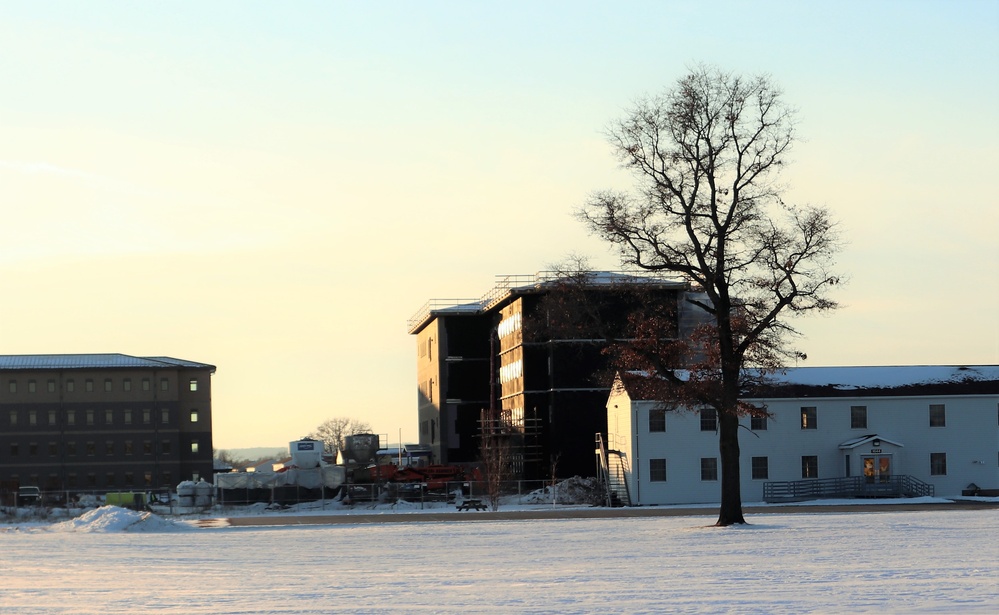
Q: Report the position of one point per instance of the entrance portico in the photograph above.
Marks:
(872, 456)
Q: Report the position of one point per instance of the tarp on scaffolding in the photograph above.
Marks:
(329, 476)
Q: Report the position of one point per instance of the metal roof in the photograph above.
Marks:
(94, 361)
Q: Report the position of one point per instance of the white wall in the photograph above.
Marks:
(971, 435)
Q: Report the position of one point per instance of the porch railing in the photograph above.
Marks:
(849, 487)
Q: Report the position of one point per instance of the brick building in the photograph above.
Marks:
(104, 422)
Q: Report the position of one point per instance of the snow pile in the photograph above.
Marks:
(116, 519)
(573, 490)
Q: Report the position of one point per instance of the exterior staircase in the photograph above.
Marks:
(613, 469)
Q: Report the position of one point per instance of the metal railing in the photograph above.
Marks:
(505, 283)
(848, 487)
(612, 464)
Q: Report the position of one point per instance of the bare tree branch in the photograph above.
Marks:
(706, 155)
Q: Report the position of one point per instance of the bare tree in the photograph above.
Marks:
(707, 208)
(332, 432)
(227, 457)
(497, 458)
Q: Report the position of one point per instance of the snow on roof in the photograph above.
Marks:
(884, 377)
(93, 361)
(870, 380)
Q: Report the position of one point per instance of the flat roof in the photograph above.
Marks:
(13, 362)
(507, 286)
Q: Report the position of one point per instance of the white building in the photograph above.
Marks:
(873, 426)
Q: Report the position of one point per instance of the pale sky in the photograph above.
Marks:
(275, 188)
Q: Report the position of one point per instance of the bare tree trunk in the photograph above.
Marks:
(730, 512)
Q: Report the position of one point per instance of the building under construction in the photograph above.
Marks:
(495, 366)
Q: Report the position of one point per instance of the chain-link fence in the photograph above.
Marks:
(577, 491)
(358, 495)
(30, 502)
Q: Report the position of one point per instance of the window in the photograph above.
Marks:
(709, 419)
(70, 386)
(71, 448)
(32, 417)
(109, 479)
(108, 417)
(51, 386)
(938, 415)
(90, 417)
(71, 417)
(808, 419)
(147, 447)
(91, 449)
(657, 470)
(858, 417)
(148, 478)
(91, 479)
(129, 449)
(129, 479)
(194, 416)
(194, 446)
(14, 449)
(709, 468)
(109, 448)
(89, 385)
(31, 386)
(167, 479)
(165, 447)
(147, 416)
(107, 384)
(164, 384)
(761, 468)
(758, 423)
(127, 416)
(145, 384)
(657, 420)
(12, 386)
(13, 417)
(164, 416)
(53, 449)
(938, 464)
(71, 479)
(33, 449)
(126, 384)
(194, 384)
(53, 417)
(809, 466)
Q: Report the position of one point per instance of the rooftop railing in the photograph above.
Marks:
(505, 283)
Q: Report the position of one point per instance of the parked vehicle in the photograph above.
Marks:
(29, 496)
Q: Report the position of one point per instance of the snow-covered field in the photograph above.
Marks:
(117, 561)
